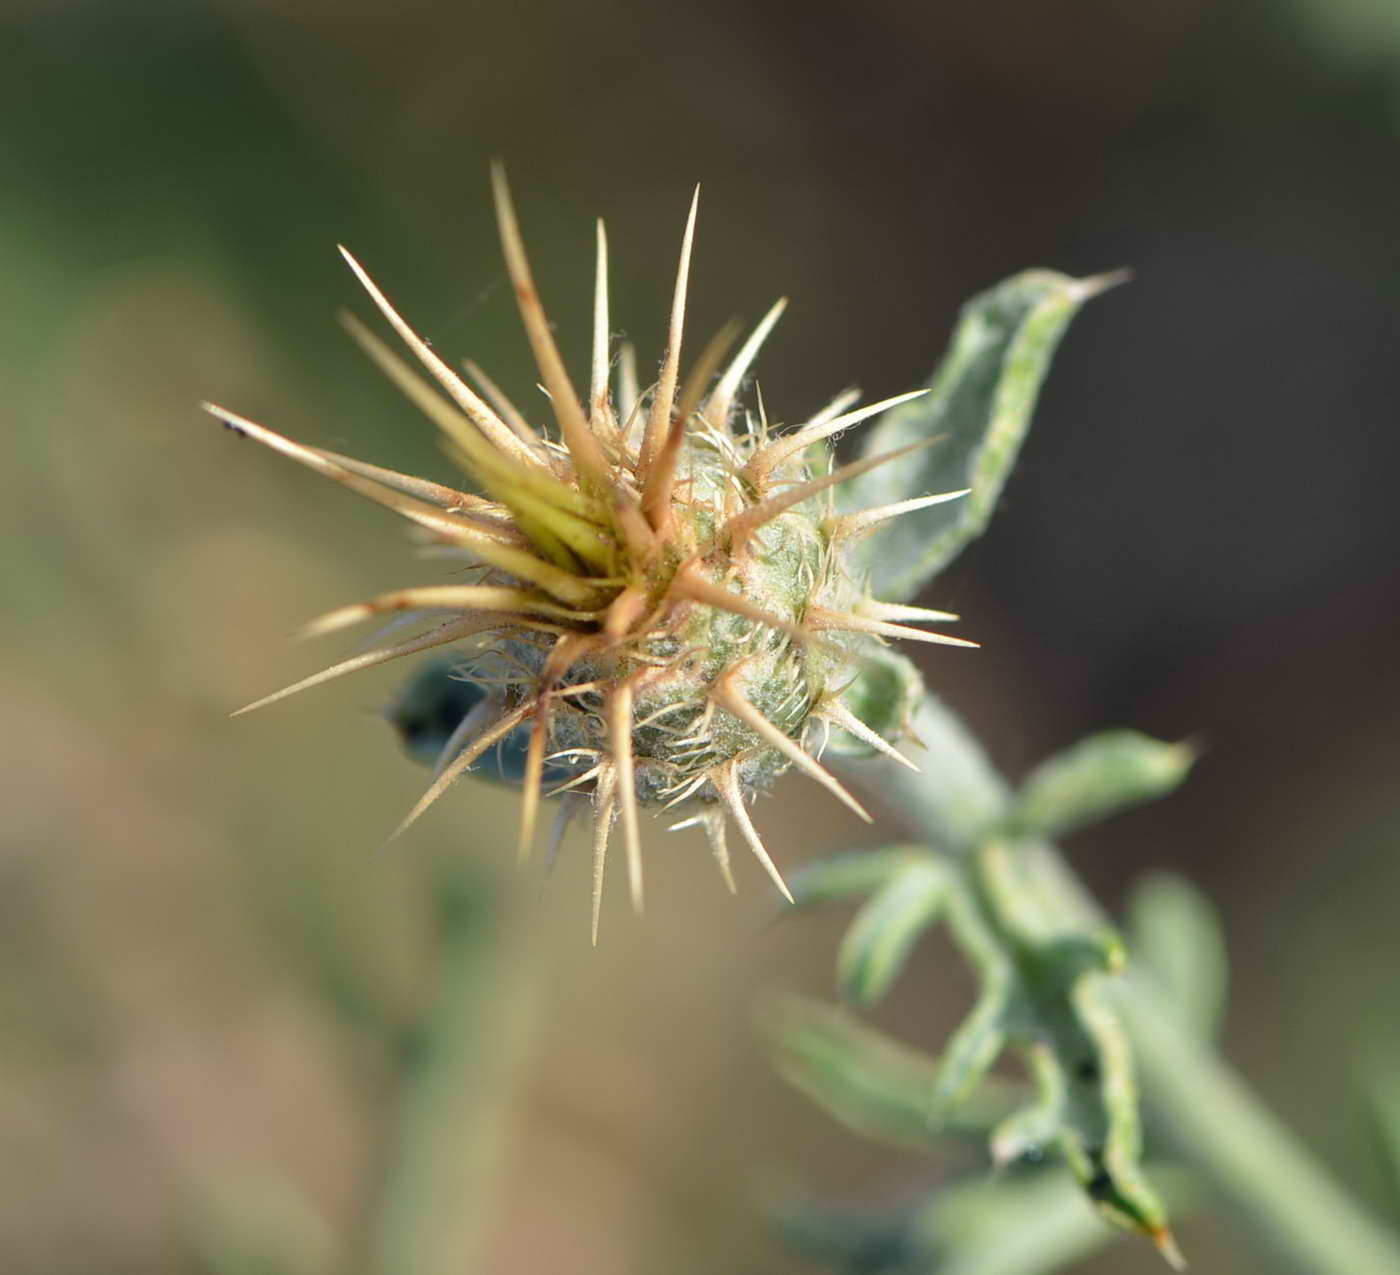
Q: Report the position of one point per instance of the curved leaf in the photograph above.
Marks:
(870, 1083)
(885, 930)
(980, 404)
(1098, 777)
(849, 874)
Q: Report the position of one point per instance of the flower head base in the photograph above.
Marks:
(661, 601)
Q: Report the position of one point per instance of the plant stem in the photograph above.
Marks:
(1222, 1128)
(957, 796)
(443, 1157)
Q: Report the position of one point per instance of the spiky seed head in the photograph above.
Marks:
(661, 611)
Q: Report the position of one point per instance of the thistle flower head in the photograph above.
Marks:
(659, 604)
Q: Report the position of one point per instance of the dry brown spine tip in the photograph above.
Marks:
(452, 631)
(721, 400)
(599, 413)
(725, 780)
(778, 451)
(620, 742)
(821, 619)
(447, 498)
(459, 765)
(749, 520)
(849, 526)
(699, 377)
(714, 824)
(603, 810)
(479, 412)
(878, 610)
(466, 597)
(569, 805)
(578, 438)
(533, 780)
(837, 714)
(728, 696)
(566, 587)
(663, 398)
(577, 782)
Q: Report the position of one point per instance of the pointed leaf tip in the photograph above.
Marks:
(982, 397)
(1096, 285)
(1098, 777)
(1166, 1245)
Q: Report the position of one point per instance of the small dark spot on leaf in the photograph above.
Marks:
(1087, 1071)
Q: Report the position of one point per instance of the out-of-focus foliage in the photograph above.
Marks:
(1360, 35)
(1098, 777)
(1174, 933)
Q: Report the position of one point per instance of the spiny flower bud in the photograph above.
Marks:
(663, 607)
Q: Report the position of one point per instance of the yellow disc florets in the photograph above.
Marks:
(659, 598)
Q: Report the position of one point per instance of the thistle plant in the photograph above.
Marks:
(667, 599)
(672, 601)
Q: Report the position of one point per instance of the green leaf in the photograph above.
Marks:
(1177, 938)
(257, 1223)
(868, 1082)
(974, 1046)
(1029, 1226)
(1098, 777)
(1061, 1019)
(1043, 977)
(850, 874)
(1031, 1131)
(980, 403)
(1384, 1103)
(884, 694)
(885, 930)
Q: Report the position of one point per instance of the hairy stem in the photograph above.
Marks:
(435, 1205)
(1222, 1128)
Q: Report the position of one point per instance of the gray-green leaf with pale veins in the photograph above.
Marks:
(979, 406)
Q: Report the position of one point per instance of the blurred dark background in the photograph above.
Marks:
(201, 955)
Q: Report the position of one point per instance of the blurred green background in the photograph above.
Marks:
(212, 986)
